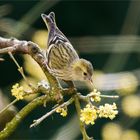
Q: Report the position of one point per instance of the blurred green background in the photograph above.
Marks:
(104, 32)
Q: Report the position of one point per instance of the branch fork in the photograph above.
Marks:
(52, 90)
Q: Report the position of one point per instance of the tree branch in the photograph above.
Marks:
(52, 90)
(38, 121)
(27, 47)
(11, 126)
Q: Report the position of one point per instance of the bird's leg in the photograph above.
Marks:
(71, 89)
(71, 86)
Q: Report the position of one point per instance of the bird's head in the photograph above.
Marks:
(82, 70)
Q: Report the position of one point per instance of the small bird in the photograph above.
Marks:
(62, 59)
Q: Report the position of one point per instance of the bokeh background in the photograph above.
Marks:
(103, 32)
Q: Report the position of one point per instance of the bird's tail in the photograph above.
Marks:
(49, 19)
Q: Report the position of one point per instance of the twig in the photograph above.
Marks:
(20, 69)
(82, 126)
(109, 96)
(86, 98)
(38, 121)
(101, 95)
(4, 109)
(27, 93)
(5, 50)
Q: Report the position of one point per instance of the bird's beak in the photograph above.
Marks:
(91, 81)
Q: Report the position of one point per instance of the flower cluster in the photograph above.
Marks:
(108, 111)
(62, 111)
(90, 113)
(96, 96)
(17, 91)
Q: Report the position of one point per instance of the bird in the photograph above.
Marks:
(63, 61)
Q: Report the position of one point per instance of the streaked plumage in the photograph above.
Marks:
(63, 60)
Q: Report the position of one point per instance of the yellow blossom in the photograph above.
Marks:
(23, 83)
(108, 111)
(17, 91)
(62, 111)
(96, 96)
(88, 115)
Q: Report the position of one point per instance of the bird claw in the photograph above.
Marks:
(58, 98)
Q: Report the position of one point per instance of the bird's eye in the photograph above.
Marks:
(85, 73)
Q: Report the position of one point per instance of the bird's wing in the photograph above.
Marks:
(61, 55)
(56, 36)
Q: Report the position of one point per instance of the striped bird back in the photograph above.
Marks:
(61, 55)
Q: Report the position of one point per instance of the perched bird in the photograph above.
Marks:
(63, 61)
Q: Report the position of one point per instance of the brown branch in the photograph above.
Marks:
(13, 45)
(27, 47)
